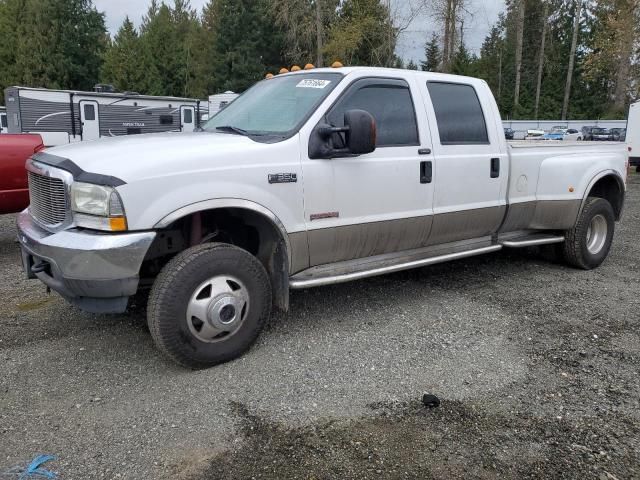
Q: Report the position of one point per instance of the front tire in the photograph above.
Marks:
(208, 305)
(588, 243)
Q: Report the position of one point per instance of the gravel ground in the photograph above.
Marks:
(536, 364)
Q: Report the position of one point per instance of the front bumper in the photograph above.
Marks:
(96, 271)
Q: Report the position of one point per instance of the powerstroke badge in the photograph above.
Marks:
(283, 177)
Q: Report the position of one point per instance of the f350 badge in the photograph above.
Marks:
(283, 177)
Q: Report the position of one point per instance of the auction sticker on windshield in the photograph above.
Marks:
(312, 83)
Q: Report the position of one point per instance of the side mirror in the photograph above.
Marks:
(360, 136)
(361, 133)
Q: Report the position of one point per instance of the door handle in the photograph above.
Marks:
(495, 167)
(426, 172)
(424, 151)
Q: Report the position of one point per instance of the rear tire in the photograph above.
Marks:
(588, 243)
(208, 305)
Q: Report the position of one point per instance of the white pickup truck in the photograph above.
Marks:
(307, 179)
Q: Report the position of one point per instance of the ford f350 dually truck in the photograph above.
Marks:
(307, 179)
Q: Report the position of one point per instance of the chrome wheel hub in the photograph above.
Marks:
(217, 308)
(596, 234)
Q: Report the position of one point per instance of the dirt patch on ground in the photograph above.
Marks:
(411, 441)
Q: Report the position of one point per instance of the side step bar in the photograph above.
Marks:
(531, 240)
(308, 280)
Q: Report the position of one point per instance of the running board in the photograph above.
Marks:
(309, 278)
(531, 240)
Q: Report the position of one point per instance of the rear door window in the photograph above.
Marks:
(458, 113)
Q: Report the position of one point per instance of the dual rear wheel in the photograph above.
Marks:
(588, 243)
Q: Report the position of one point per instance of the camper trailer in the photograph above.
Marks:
(3, 120)
(65, 116)
(219, 101)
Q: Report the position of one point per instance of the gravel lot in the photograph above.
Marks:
(536, 364)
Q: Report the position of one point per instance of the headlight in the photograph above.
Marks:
(97, 207)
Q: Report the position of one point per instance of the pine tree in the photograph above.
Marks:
(51, 43)
(363, 35)
(432, 54)
(412, 65)
(247, 44)
(122, 65)
(462, 62)
(490, 63)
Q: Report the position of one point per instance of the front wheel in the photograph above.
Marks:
(588, 243)
(208, 305)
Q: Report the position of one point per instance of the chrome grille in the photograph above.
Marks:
(48, 197)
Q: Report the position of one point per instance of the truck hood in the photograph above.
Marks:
(137, 157)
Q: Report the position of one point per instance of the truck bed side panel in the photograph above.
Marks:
(548, 182)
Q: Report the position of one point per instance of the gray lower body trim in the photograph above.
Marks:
(328, 245)
(555, 214)
(541, 215)
(299, 251)
(464, 224)
(362, 241)
(519, 216)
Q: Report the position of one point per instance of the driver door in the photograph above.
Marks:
(375, 203)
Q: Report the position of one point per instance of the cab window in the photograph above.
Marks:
(458, 114)
(390, 103)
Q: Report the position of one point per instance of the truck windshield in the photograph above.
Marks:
(274, 107)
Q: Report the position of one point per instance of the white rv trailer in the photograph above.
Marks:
(3, 120)
(220, 100)
(65, 116)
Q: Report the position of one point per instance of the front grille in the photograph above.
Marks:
(48, 199)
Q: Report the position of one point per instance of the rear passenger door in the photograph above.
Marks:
(375, 203)
(471, 168)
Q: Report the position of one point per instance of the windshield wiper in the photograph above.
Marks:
(231, 128)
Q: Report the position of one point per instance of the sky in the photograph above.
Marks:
(410, 45)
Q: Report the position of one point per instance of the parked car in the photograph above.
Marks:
(15, 150)
(508, 133)
(600, 134)
(534, 134)
(562, 134)
(617, 134)
(587, 132)
(357, 177)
